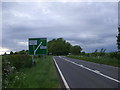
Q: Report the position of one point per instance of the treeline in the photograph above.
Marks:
(60, 46)
(57, 46)
(19, 52)
(118, 39)
(101, 53)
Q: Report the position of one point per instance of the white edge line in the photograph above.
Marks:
(93, 71)
(65, 83)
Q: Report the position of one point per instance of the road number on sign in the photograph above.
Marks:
(33, 42)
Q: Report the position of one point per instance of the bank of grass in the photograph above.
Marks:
(0, 72)
(99, 59)
(41, 75)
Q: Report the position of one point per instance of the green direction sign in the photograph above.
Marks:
(37, 46)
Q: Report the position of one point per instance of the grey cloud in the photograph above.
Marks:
(90, 25)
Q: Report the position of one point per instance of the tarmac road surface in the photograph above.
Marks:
(82, 74)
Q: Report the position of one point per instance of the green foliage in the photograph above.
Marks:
(13, 63)
(42, 75)
(75, 50)
(16, 53)
(83, 53)
(100, 56)
(99, 59)
(5, 53)
(17, 79)
(118, 39)
(0, 72)
(96, 51)
(114, 55)
(18, 61)
(59, 47)
(11, 53)
(102, 50)
(100, 53)
(22, 52)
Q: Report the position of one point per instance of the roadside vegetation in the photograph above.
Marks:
(118, 39)
(111, 58)
(61, 47)
(0, 72)
(19, 72)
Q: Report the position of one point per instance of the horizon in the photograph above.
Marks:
(79, 23)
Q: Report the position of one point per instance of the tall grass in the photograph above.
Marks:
(99, 59)
(41, 75)
(0, 72)
(11, 64)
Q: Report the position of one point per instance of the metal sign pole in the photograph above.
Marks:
(33, 61)
(33, 56)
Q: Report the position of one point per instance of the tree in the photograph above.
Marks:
(96, 51)
(22, 52)
(58, 47)
(118, 39)
(11, 53)
(50, 45)
(26, 51)
(83, 53)
(102, 50)
(5, 53)
(76, 49)
(16, 53)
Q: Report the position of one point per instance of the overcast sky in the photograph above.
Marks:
(91, 25)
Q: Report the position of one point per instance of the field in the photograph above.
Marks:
(40, 75)
(98, 59)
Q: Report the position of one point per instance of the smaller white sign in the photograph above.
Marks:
(32, 42)
(43, 47)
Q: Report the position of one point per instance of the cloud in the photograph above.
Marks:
(3, 50)
(90, 25)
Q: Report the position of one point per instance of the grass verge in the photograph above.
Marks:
(100, 60)
(42, 75)
(0, 72)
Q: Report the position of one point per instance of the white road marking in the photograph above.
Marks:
(64, 81)
(95, 71)
(59, 56)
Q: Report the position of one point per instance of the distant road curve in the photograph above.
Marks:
(82, 74)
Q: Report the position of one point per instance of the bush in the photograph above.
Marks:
(75, 50)
(12, 64)
(114, 55)
(17, 61)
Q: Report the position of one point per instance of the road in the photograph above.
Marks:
(82, 74)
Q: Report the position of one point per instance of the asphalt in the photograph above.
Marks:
(85, 76)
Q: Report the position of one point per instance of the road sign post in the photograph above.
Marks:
(37, 46)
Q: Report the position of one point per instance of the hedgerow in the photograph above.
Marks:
(11, 64)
